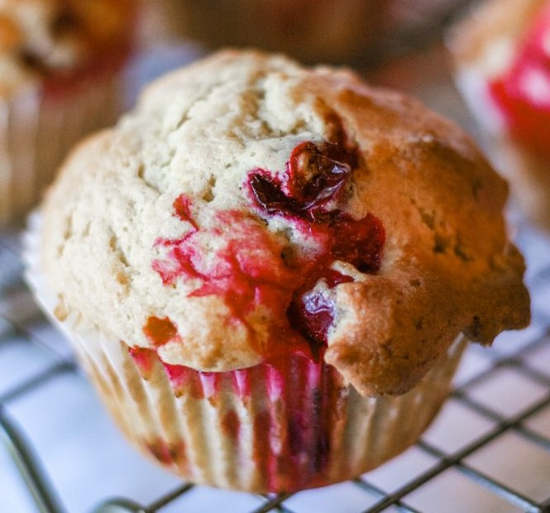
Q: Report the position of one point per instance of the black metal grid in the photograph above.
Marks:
(46, 497)
(47, 500)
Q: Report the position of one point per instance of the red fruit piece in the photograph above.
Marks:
(314, 176)
(311, 313)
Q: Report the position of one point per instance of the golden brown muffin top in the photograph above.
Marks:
(249, 207)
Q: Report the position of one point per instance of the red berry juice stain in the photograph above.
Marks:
(167, 453)
(315, 178)
(144, 359)
(314, 405)
(250, 271)
(160, 451)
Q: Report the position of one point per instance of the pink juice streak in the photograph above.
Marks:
(246, 273)
(250, 270)
(291, 455)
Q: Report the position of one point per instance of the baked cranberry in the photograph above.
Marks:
(359, 242)
(311, 312)
(314, 176)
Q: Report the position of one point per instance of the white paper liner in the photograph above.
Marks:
(192, 433)
(37, 129)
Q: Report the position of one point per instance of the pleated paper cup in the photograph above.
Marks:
(38, 126)
(280, 426)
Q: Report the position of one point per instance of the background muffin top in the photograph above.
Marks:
(44, 37)
(493, 27)
(249, 207)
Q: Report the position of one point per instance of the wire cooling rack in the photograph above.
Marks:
(488, 451)
(505, 390)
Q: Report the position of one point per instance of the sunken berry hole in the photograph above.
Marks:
(315, 175)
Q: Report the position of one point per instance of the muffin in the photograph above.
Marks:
(312, 30)
(502, 61)
(60, 78)
(270, 272)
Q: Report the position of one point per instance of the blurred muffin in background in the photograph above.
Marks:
(160, 22)
(416, 14)
(60, 78)
(502, 60)
(312, 30)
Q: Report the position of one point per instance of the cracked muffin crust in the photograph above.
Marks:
(249, 208)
